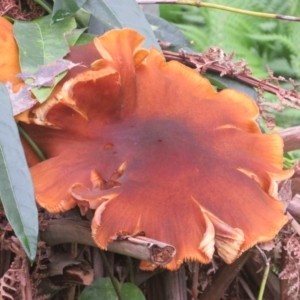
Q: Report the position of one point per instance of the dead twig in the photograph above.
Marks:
(60, 231)
(222, 279)
(291, 138)
(215, 60)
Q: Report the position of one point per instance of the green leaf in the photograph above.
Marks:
(40, 44)
(73, 37)
(16, 189)
(131, 292)
(65, 8)
(100, 286)
(290, 159)
(108, 14)
(85, 38)
(79, 37)
(82, 18)
(225, 82)
(103, 287)
(43, 93)
(166, 32)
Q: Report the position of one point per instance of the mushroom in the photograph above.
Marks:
(9, 56)
(155, 150)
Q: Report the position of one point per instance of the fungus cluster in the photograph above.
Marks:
(155, 150)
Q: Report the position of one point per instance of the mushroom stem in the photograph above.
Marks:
(168, 285)
(61, 231)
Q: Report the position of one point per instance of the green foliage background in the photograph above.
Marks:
(261, 41)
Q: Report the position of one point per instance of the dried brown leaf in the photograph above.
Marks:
(45, 75)
(21, 100)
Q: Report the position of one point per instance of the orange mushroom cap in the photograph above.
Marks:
(9, 56)
(154, 148)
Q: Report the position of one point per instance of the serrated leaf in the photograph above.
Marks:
(108, 15)
(104, 287)
(41, 43)
(65, 8)
(16, 188)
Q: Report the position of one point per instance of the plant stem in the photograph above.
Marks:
(130, 266)
(33, 145)
(111, 275)
(263, 282)
(45, 5)
(222, 7)
(265, 275)
(291, 138)
(11, 20)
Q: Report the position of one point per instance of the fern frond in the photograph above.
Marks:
(263, 42)
(282, 39)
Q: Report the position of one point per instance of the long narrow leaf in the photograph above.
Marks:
(16, 189)
(119, 14)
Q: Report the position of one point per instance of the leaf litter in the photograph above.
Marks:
(44, 77)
